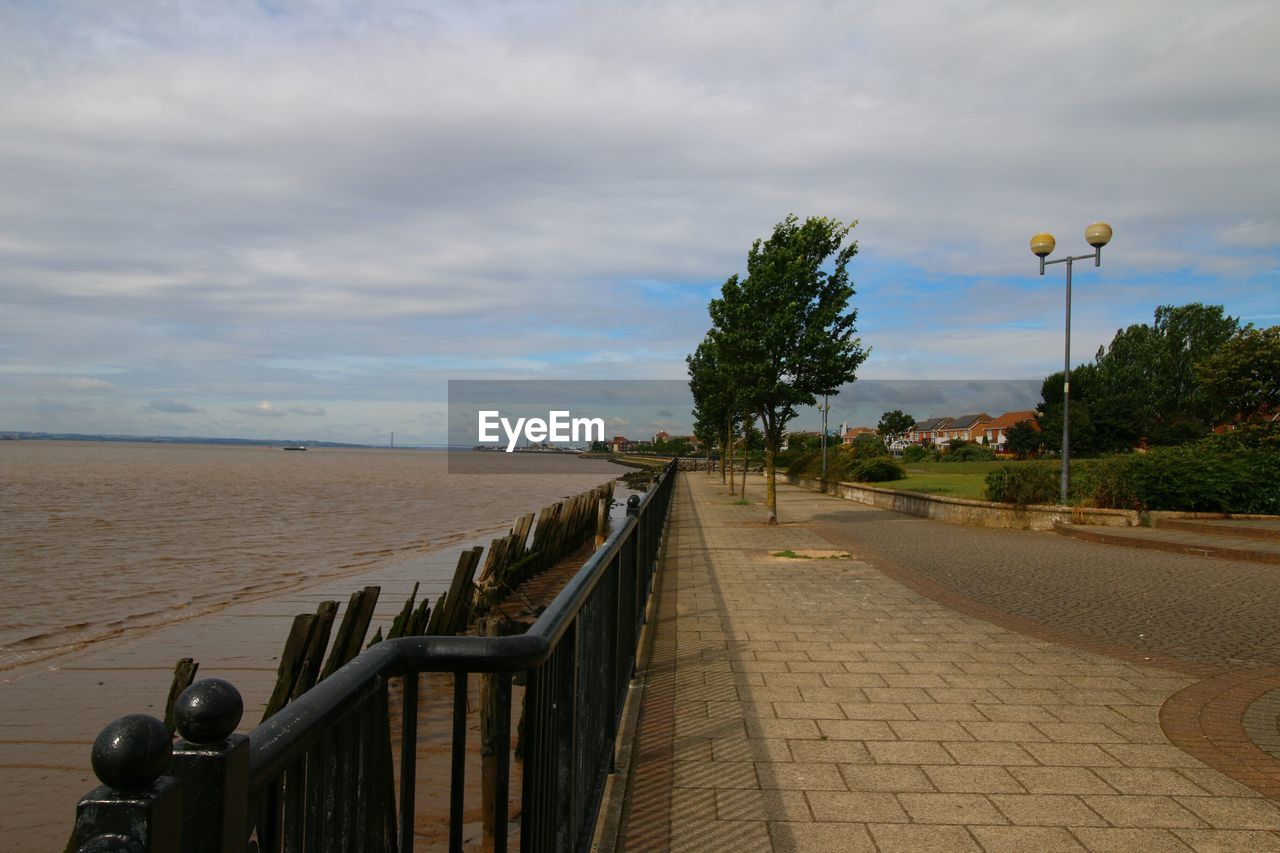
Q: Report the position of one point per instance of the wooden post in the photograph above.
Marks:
(183, 674)
(602, 521)
(290, 660)
(313, 655)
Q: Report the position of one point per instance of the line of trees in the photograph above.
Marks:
(1166, 383)
(781, 337)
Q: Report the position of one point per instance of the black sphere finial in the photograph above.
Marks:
(208, 711)
(131, 753)
(633, 501)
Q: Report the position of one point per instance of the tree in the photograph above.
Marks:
(787, 328)
(1147, 385)
(713, 398)
(1143, 385)
(1084, 439)
(893, 425)
(1022, 439)
(1242, 379)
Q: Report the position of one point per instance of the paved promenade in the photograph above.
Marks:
(818, 704)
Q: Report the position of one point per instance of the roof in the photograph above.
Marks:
(968, 421)
(1008, 419)
(932, 423)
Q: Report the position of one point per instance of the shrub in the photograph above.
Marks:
(1023, 484)
(969, 453)
(877, 470)
(866, 445)
(1106, 482)
(915, 453)
(1213, 475)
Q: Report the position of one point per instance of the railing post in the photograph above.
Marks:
(136, 808)
(213, 764)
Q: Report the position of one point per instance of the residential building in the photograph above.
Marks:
(928, 431)
(964, 428)
(996, 430)
(853, 432)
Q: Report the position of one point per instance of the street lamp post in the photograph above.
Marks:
(826, 408)
(1097, 235)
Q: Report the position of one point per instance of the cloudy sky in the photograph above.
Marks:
(298, 219)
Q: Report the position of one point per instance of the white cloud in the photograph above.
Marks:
(307, 410)
(347, 201)
(264, 409)
(83, 383)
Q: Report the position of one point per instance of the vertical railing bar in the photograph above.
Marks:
(458, 767)
(347, 792)
(502, 753)
(366, 770)
(408, 759)
(331, 755)
(293, 835)
(529, 787)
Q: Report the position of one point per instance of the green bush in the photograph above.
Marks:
(1213, 475)
(877, 470)
(1024, 484)
(969, 453)
(844, 466)
(917, 453)
(1107, 482)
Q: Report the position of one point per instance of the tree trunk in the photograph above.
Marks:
(771, 486)
(724, 446)
(746, 449)
(732, 486)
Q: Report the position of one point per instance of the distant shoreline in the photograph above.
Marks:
(20, 435)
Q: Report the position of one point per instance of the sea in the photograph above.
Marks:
(99, 540)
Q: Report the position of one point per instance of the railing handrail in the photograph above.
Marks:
(274, 743)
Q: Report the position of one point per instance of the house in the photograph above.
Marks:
(619, 444)
(802, 435)
(660, 436)
(995, 431)
(853, 432)
(928, 431)
(964, 428)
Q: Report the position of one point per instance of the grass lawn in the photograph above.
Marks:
(952, 479)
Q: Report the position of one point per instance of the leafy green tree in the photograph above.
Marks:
(787, 328)
(1022, 439)
(893, 425)
(714, 400)
(1147, 385)
(1143, 385)
(1084, 439)
(1242, 378)
(867, 445)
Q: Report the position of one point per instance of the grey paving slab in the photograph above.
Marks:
(904, 725)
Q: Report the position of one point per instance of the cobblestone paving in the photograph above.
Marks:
(1204, 611)
(818, 704)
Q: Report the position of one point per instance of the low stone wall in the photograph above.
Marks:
(973, 513)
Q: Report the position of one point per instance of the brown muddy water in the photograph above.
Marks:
(99, 540)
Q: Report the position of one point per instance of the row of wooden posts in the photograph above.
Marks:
(559, 530)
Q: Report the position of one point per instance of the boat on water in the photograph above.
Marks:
(294, 447)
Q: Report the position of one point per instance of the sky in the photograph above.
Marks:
(300, 219)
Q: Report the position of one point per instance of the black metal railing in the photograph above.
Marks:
(321, 774)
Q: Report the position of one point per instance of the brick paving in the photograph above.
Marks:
(820, 704)
(1205, 542)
